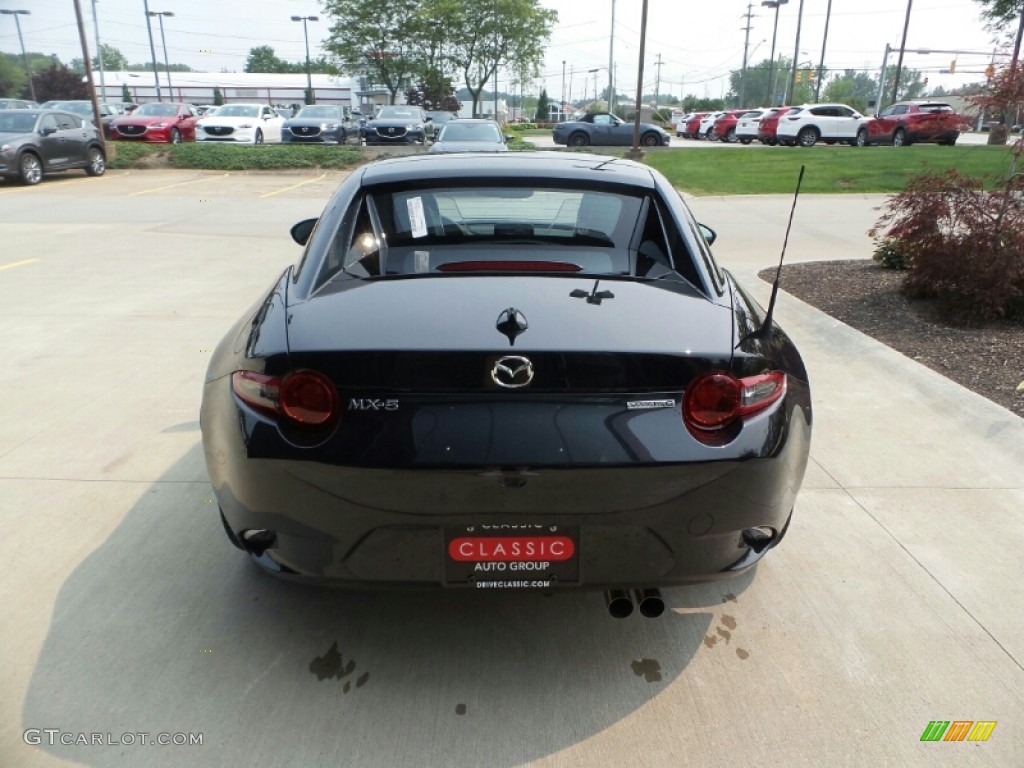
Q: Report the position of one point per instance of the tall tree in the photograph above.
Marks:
(857, 89)
(496, 33)
(263, 59)
(13, 79)
(378, 41)
(543, 106)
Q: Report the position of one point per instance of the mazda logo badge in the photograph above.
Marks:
(512, 372)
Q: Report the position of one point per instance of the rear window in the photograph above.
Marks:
(437, 231)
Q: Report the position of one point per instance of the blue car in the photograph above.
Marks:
(607, 130)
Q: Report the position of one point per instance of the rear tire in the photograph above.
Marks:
(97, 162)
(862, 138)
(650, 140)
(807, 137)
(744, 142)
(30, 169)
(899, 138)
(730, 136)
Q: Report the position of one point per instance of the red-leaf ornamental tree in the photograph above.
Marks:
(962, 244)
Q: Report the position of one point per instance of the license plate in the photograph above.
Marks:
(511, 557)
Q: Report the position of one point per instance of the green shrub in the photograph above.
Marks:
(891, 253)
(228, 157)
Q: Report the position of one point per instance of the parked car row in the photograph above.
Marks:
(903, 123)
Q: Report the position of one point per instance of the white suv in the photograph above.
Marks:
(810, 123)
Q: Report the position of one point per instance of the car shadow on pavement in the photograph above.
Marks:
(165, 628)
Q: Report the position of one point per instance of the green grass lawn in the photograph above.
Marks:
(774, 170)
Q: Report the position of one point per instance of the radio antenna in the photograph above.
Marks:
(767, 324)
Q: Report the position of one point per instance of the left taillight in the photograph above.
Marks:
(715, 401)
(304, 398)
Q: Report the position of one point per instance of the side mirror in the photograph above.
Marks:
(48, 131)
(709, 234)
(428, 119)
(509, 137)
(301, 231)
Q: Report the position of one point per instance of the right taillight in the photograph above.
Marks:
(715, 401)
(304, 398)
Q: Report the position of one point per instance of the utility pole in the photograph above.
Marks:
(771, 60)
(611, 65)
(746, 45)
(561, 106)
(657, 80)
(796, 54)
(635, 153)
(881, 79)
(903, 44)
(821, 63)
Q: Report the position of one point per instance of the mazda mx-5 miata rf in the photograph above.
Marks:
(508, 371)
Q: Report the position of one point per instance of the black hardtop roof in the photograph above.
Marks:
(543, 166)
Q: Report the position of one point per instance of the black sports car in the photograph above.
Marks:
(519, 370)
(603, 129)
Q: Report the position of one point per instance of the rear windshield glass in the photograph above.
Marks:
(501, 229)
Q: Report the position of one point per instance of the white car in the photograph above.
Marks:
(707, 124)
(747, 124)
(679, 119)
(810, 123)
(241, 123)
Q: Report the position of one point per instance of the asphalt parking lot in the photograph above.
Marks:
(897, 598)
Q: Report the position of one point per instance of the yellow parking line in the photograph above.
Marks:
(179, 184)
(294, 186)
(17, 263)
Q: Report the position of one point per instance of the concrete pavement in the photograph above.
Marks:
(897, 598)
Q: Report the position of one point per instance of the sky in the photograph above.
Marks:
(697, 43)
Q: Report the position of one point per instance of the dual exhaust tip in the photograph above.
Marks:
(620, 603)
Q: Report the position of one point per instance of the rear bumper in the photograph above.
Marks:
(646, 524)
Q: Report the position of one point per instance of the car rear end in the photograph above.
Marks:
(506, 414)
(768, 125)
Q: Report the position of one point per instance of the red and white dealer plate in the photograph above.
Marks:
(511, 556)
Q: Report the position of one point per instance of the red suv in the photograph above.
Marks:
(769, 123)
(693, 125)
(907, 122)
(724, 128)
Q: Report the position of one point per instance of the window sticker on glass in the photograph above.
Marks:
(422, 261)
(417, 220)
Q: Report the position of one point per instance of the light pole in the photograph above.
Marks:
(775, 31)
(99, 53)
(160, 17)
(305, 34)
(24, 56)
(152, 51)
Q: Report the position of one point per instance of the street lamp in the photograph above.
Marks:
(152, 51)
(775, 31)
(796, 51)
(305, 34)
(160, 16)
(15, 14)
